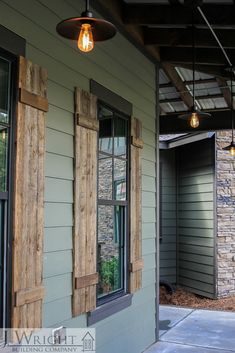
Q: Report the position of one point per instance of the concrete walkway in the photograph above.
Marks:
(195, 331)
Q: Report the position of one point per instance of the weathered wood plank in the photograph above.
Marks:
(86, 281)
(28, 203)
(33, 100)
(85, 208)
(136, 207)
(27, 296)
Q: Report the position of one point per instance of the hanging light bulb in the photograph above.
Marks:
(86, 29)
(232, 151)
(85, 39)
(194, 120)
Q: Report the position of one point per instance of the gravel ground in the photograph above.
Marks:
(186, 299)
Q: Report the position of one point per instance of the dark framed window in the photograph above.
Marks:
(113, 203)
(8, 67)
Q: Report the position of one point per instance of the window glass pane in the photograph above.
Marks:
(105, 177)
(1, 259)
(4, 90)
(110, 249)
(119, 179)
(120, 137)
(3, 157)
(106, 131)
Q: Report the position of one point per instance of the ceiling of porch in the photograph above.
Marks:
(162, 28)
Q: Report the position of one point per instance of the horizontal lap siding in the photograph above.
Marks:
(196, 217)
(117, 65)
(168, 215)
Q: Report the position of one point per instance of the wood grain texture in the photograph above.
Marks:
(33, 100)
(28, 207)
(85, 203)
(136, 208)
(89, 280)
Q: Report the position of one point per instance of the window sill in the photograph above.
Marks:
(108, 309)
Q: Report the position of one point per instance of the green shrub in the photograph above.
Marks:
(109, 273)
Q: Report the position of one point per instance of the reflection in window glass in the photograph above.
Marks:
(120, 179)
(4, 90)
(105, 177)
(112, 203)
(120, 136)
(3, 158)
(106, 136)
(110, 251)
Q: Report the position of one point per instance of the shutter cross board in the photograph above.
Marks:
(85, 275)
(136, 262)
(28, 198)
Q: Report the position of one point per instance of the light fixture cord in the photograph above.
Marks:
(231, 88)
(87, 5)
(193, 55)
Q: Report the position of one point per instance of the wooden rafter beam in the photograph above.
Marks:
(177, 14)
(174, 100)
(213, 70)
(182, 37)
(220, 120)
(225, 90)
(178, 83)
(204, 56)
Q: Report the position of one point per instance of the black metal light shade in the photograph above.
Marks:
(86, 29)
(194, 117)
(230, 148)
(101, 29)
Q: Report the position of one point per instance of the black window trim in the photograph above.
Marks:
(123, 291)
(11, 47)
(119, 300)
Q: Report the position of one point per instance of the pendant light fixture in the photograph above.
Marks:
(86, 29)
(231, 147)
(194, 116)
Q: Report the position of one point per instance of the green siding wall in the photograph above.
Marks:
(168, 215)
(117, 65)
(196, 217)
(187, 217)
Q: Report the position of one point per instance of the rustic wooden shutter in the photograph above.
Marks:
(136, 262)
(85, 276)
(28, 198)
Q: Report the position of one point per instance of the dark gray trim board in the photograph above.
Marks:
(157, 204)
(11, 42)
(110, 98)
(183, 140)
(108, 309)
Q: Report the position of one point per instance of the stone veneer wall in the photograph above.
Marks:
(225, 175)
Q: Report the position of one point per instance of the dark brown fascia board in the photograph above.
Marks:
(220, 120)
(177, 14)
(112, 11)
